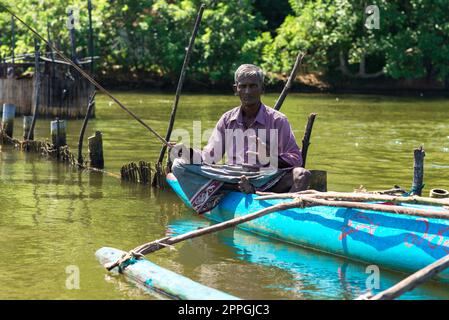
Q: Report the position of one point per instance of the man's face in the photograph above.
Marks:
(249, 89)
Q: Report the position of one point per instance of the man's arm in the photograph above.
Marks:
(289, 154)
(215, 149)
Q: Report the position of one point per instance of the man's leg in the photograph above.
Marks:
(301, 179)
(297, 179)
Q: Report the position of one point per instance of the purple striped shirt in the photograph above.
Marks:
(239, 143)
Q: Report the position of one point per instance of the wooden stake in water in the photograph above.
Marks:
(9, 112)
(37, 87)
(90, 105)
(58, 133)
(96, 150)
(27, 120)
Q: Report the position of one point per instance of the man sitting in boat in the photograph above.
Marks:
(260, 147)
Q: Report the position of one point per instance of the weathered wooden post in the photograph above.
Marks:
(90, 105)
(37, 86)
(96, 150)
(58, 130)
(27, 120)
(418, 171)
(318, 179)
(9, 112)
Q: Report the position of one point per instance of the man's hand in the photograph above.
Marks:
(260, 146)
(179, 150)
(245, 186)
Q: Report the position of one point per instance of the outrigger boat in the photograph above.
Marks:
(398, 242)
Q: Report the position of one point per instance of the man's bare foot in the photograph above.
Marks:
(245, 186)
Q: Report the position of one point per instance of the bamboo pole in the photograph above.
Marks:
(168, 241)
(310, 201)
(289, 82)
(357, 197)
(413, 280)
(178, 90)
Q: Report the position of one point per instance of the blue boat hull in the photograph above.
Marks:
(392, 241)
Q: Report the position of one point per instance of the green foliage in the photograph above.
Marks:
(412, 42)
(148, 37)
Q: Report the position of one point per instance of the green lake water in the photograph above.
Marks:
(53, 218)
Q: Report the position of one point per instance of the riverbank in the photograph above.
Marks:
(310, 83)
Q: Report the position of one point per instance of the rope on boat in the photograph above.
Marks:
(414, 190)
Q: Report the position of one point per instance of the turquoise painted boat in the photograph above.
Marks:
(161, 281)
(392, 241)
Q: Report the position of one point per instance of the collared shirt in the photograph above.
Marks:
(274, 139)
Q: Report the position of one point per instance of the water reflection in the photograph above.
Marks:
(313, 275)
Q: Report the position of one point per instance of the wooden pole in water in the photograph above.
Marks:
(37, 85)
(90, 104)
(91, 37)
(418, 171)
(96, 150)
(306, 138)
(413, 280)
(9, 112)
(27, 120)
(58, 130)
(290, 80)
(178, 93)
(52, 70)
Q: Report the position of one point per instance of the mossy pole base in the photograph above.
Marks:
(9, 112)
(95, 143)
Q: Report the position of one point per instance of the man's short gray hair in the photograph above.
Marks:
(249, 70)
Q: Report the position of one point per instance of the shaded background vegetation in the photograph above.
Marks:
(143, 41)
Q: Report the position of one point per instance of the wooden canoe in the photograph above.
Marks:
(392, 241)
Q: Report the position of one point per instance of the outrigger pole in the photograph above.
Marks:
(88, 77)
